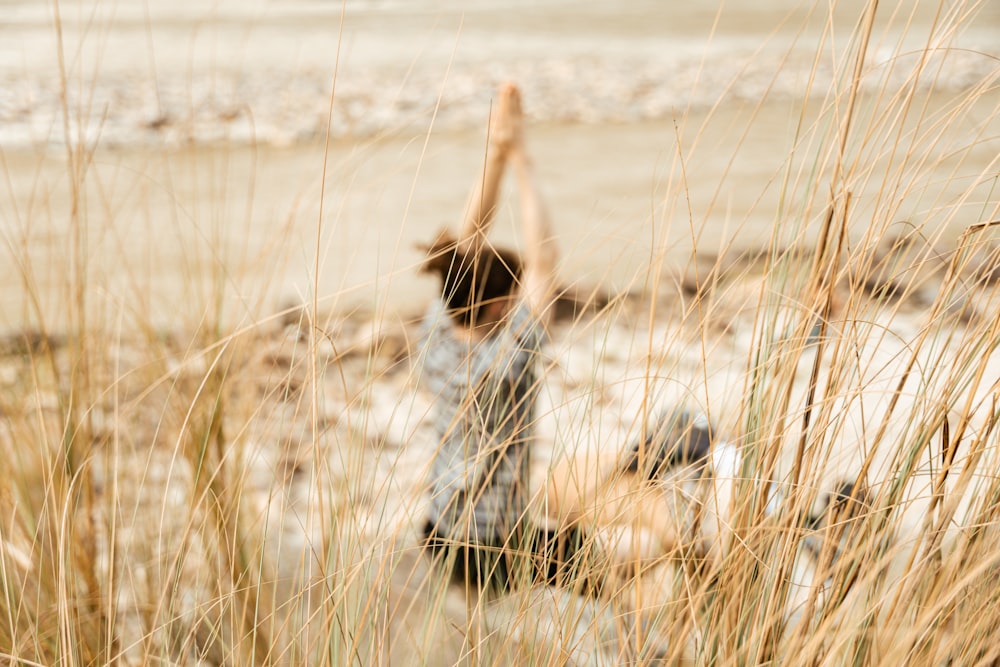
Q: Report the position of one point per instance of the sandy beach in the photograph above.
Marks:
(242, 224)
(209, 303)
(657, 130)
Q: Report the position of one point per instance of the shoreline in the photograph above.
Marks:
(259, 73)
(239, 228)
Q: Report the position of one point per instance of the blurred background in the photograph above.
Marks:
(237, 156)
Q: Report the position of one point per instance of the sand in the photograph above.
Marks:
(213, 210)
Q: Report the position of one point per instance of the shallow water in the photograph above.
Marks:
(211, 118)
(160, 71)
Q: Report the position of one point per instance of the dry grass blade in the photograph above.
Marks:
(784, 452)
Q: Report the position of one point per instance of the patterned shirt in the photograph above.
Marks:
(485, 394)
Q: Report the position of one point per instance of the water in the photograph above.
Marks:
(262, 71)
(211, 118)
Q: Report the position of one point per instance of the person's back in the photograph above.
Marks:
(478, 351)
(485, 392)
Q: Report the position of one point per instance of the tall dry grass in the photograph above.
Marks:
(250, 493)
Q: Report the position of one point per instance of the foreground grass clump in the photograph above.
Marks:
(219, 494)
(256, 499)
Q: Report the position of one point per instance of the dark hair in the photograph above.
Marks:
(679, 438)
(470, 280)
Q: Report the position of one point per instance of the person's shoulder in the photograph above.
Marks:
(435, 328)
(524, 325)
(436, 313)
(513, 346)
(439, 349)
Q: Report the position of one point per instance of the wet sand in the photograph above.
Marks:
(170, 233)
(657, 130)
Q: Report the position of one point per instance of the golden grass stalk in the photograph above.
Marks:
(251, 493)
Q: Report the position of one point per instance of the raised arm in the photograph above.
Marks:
(540, 250)
(483, 202)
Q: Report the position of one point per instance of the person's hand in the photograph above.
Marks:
(507, 128)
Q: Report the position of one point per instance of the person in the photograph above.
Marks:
(481, 342)
(480, 346)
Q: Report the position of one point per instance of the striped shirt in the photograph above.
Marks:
(485, 394)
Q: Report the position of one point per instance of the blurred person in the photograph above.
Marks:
(479, 350)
